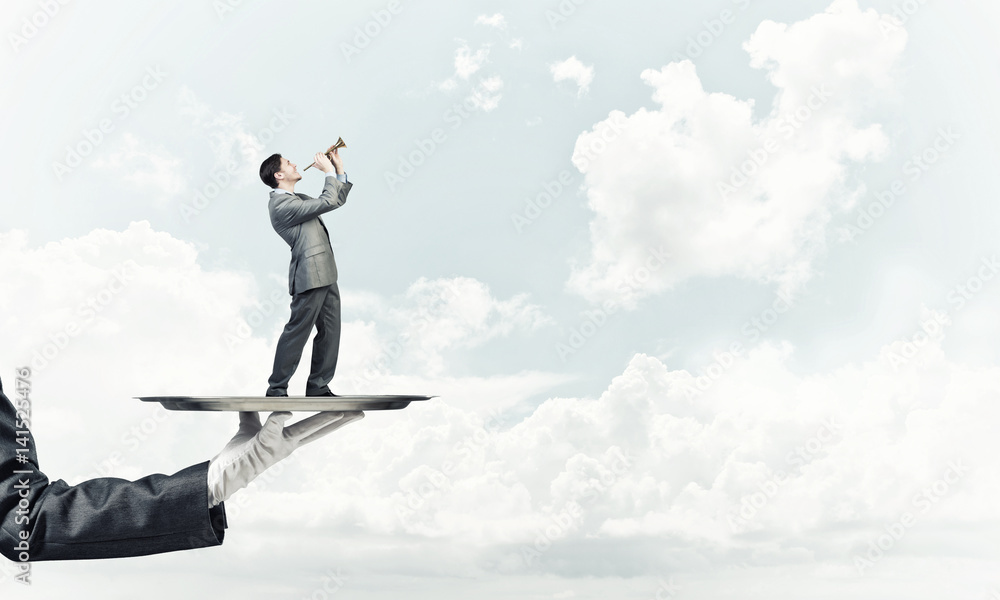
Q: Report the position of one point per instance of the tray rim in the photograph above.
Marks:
(356, 397)
(283, 403)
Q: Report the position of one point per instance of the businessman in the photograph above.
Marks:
(312, 274)
(112, 518)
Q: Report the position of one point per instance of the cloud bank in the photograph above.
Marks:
(722, 192)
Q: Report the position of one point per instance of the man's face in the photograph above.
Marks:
(289, 171)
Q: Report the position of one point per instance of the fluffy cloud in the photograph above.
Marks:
(496, 20)
(790, 469)
(467, 62)
(700, 180)
(758, 460)
(457, 313)
(235, 144)
(573, 70)
(152, 170)
(486, 94)
(111, 315)
(766, 465)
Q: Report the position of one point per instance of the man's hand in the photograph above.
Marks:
(255, 448)
(322, 161)
(337, 161)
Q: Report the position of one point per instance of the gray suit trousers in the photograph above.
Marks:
(319, 307)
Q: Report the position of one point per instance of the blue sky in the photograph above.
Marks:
(539, 232)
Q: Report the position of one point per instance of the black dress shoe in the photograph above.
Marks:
(328, 394)
(275, 395)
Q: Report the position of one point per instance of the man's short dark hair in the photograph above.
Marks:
(270, 166)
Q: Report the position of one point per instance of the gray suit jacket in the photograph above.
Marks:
(296, 218)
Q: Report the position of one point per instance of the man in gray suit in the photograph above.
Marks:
(312, 274)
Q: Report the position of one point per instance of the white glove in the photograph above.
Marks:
(255, 448)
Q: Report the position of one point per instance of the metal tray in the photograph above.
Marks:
(290, 403)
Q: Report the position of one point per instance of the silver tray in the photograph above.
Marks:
(265, 403)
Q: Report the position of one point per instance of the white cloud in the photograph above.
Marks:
(650, 461)
(467, 62)
(497, 21)
(111, 315)
(650, 458)
(417, 332)
(486, 95)
(669, 179)
(149, 167)
(573, 70)
(448, 85)
(460, 312)
(231, 138)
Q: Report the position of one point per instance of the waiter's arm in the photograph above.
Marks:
(99, 518)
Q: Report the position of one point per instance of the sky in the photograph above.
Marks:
(705, 291)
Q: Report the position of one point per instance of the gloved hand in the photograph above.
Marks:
(255, 448)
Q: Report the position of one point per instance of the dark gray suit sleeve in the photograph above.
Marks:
(99, 518)
(300, 208)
